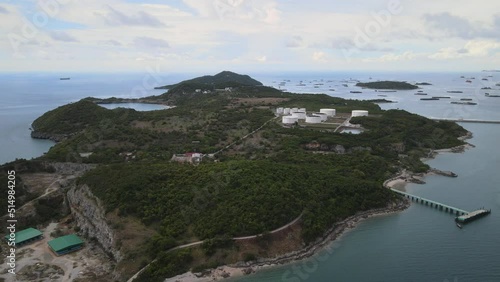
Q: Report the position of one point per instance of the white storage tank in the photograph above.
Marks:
(302, 110)
(323, 116)
(358, 113)
(289, 120)
(293, 110)
(299, 115)
(329, 112)
(313, 119)
(286, 111)
(279, 111)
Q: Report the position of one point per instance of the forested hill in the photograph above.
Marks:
(220, 80)
(390, 85)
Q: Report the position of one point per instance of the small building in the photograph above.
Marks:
(65, 244)
(187, 158)
(26, 236)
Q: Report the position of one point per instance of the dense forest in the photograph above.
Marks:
(257, 184)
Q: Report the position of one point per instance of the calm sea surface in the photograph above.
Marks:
(419, 244)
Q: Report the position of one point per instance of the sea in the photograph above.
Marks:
(418, 244)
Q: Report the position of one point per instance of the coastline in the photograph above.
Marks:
(397, 182)
(339, 228)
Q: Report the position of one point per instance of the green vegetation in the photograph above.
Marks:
(391, 85)
(255, 186)
(220, 80)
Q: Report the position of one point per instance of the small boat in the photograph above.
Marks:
(65, 78)
(490, 95)
(429, 99)
(459, 225)
(468, 81)
(356, 92)
(345, 85)
(422, 94)
(464, 103)
(455, 91)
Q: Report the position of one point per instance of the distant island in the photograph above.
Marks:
(219, 179)
(391, 85)
(222, 79)
(423, 83)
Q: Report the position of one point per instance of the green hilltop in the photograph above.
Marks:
(220, 80)
(389, 85)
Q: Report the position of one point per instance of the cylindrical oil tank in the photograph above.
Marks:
(313, 119)
(299, 115)
(286, 111)
(293, 110)
(279, 111)
(289, 120)
(329, 112)
(359, 113)
(302, 110)
(323, 116)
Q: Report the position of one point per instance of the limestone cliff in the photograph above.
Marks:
(89, 214)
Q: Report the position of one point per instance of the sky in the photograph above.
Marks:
(249, 35)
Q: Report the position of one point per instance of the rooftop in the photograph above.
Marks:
(25, 235)
(64, 242)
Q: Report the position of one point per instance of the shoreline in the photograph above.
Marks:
(334, 233)
(339, 228)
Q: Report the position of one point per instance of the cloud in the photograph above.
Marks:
(4, 10)
(455, 26)
(62, 36)
(112, 42)
(141, 18)
(393, 57)
(294, 42)
(320, 57)
(346, 43)
(144, 42)
(474, 48)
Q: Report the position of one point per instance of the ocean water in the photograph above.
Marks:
(419, 244)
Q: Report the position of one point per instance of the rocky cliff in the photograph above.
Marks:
(89, 214)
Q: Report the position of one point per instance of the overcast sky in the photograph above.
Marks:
(251, 35)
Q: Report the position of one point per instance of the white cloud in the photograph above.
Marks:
(394, 57)
(320, 57)
(473, 48)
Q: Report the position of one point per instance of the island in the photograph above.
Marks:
(390, 85)
(423, 83)
(218, 179)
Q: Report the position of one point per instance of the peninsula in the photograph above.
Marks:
(219, 179)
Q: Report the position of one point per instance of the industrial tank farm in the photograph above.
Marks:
(358, 113)
(329, 112)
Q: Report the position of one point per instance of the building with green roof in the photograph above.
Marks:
(65, 244)
(25, 236)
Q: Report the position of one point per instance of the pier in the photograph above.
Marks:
(431, 203)
(463, 216)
